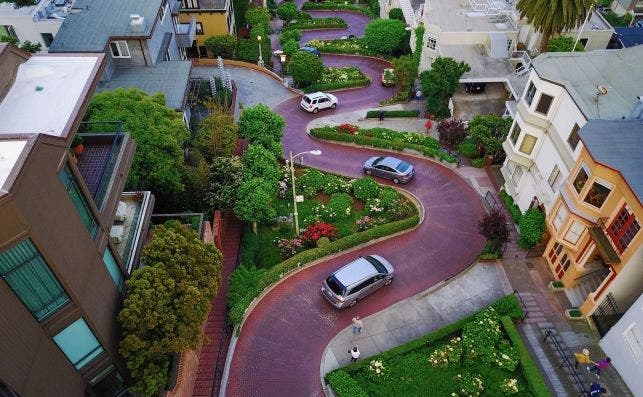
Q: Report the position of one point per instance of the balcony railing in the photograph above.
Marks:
(603, 241)
(186, 33)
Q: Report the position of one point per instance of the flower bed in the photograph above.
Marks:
(334, 78)
(373, 114)
(353, 46)
(337, 214)
(386, 139)
(318, 23)
(331, 5)
(479, 355)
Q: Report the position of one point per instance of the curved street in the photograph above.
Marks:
(281, 343)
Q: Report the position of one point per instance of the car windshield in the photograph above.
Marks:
(377, 160)
(335, 285)
(376, 264)
(403, 166)
(306, 99)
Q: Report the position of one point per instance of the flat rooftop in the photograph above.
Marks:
(10, 150)
(581, 72)
(47, 93)
(458, 16)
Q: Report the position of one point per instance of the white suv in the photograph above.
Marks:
(318, 100)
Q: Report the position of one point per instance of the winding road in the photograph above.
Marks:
(279, 350)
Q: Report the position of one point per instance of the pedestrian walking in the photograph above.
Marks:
(582, 358)
(595, 390)
(381, 116)
(357, 325)
(354, 354)
(600, 366)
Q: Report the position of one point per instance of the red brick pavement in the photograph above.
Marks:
(206, 379)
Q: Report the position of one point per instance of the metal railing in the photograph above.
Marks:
(582, 391)
(522, 303)
(218, 369)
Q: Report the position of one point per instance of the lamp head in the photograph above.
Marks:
(315, 152)
(259, 38)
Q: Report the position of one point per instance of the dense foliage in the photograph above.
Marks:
(440, 83)
(385, 36)
(260, 163)
(563, 44)
(406, 71)
(452, 132)
(287, 12)
(396, 13)
(261, 126)
(532, 226)
(334, 78)
(305, 68)
(513, 209)
(217, 135)
(222, 45)
(167, 301)
(257, 16)
(224, 179)
(489, 131)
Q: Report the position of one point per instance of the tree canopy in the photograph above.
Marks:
(217, 133)
(159, 133)
(258, 162)
(257, 16)
(287, 12)
(489, 131)
(222, 45)
(305, 68)
(406, 70)
(224, 181)
(551, 17)
(385, 36)
(261, 126)
(563, 44)
(255, 202)
(440, 83)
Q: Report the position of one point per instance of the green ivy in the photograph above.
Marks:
(513, 209)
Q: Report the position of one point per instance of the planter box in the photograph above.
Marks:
(570, 317)
(554, 288)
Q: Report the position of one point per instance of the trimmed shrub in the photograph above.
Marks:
(365, 188)
(341, 204)
(468, 148)
(335, 184)
(532, 226)
(478, 163)
(509, 306)
(385, 36)
(318, 23)
(344, 385)
(248, 50)
(311, 182)
(373, 114)
(331, 5)
(374, 6)
(396, 13)
(257, 15)
(222, 45)
(288, 35)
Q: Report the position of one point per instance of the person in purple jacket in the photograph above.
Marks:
(600, 366)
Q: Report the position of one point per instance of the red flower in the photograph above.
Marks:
(318, 230)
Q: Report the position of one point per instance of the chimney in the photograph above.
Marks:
(137, 23)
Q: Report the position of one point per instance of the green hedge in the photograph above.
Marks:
(330, 134)
(248, 50)
(239, 304)
(318, 23)
(346, 46)
(329, 5)
(513, 209)
(373, 114)
(344, 385)
(337, 86)
(534, 377)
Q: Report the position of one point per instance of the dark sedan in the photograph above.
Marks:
(390, 168)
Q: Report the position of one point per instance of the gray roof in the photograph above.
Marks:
(92, 22)
(168, 77)
(617, 144)
(208, 5)
(581, 72)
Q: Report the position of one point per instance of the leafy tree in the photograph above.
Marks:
(385, 36)
(406, 70)
(167, 301)
(159, 133)
(440, 83)
(494, 227)
(261, 126)
(532, 226)
(551, 17)
(452, 132)
(489, 131)
(258, 162)
(20, 3)
(222, 45)
(217, 133)
(396, 13)
(305, 68)
(564, 44)
(255, 202)
(288, 35)
(257, 15)
(223, 183)
(262, 30)
(287, 12)
(290, 47)
(195, 178)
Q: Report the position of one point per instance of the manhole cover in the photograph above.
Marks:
(530, 265)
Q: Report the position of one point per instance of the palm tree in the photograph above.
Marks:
(551, 17)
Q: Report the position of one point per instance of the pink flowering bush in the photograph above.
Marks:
(347, 128)
(289, 247)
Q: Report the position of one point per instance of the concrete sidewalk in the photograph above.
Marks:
(472, 290)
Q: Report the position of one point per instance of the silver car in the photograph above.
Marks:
(392, 168)
(356, 280)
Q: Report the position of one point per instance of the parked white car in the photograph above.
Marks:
(317, 101)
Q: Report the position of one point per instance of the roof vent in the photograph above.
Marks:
(137, 23)
(637, 112)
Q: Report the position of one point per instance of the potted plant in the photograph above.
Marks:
(574, 314)
(77, 145)
(556, 285)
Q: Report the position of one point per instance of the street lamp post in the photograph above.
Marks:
(260, 61)
(292, 176)
(418, 95)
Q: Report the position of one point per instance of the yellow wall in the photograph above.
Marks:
(581, 211)
(214, 23)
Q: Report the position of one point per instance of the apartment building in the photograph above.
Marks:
(634, 7)
(142, 41)
(563, 92)
(62, 273)
(596, 247)
(213, 18)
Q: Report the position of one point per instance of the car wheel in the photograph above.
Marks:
(396, 181)
(368, 172)
(333, 106)
(315, 110)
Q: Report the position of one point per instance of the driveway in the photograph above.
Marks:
(279, 350)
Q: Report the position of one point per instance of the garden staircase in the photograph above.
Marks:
(587, 284)
(409, 15)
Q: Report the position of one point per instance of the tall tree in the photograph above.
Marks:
(305, 68)
(217, 133)
(260, 125)
(385, 36)
(440, 83)
(551, 17)
(258, 162)
(255, 202)
(224, 181)
(159, 133)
